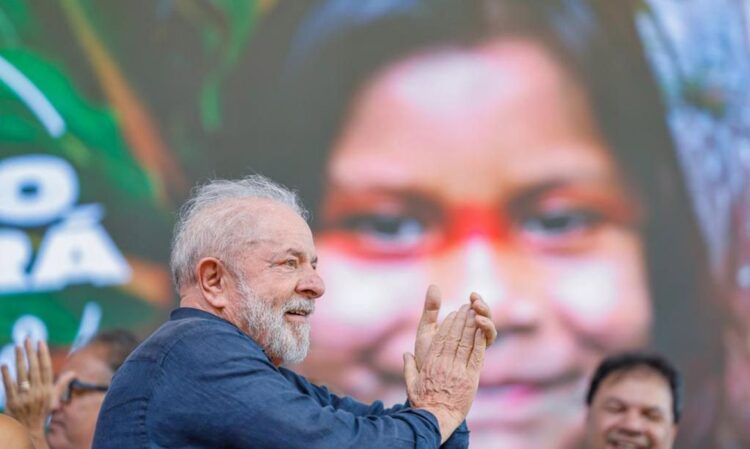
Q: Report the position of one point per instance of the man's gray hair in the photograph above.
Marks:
(209, 224)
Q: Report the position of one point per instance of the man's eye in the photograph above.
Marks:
(391, 229)
(560, 223)
(291, 263)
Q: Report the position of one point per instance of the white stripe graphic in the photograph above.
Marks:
(33, 98)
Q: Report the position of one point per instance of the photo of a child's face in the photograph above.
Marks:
(480, 170)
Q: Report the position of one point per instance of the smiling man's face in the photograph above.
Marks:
(632, 409)
(278, 282)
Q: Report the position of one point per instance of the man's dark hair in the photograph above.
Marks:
(119, 344)
(635, 360)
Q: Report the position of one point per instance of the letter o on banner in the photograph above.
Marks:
(36, 189)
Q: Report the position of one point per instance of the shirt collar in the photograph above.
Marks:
(182, 313)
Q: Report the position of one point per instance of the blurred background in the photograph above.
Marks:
(584, 165)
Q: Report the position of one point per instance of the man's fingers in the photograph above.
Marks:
(484, 317)
(431, 308)
(427, 324)
(445, 326)
(45, 364)
(410, 373)
(459, 322)
(21, 375)
(478, 304)
(31, 355)
(488, 327)
(443, 334)
(453, 340)
(10, 388)
(466, 343)
(476, 360)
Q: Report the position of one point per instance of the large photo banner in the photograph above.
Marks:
(584, 165)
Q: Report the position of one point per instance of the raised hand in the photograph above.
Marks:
(449, 376)
(428, 323)
(483, 317)
(29, 398)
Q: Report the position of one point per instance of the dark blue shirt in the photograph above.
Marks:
(199, 382)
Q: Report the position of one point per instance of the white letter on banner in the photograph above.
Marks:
(36, 189)
(79, 250)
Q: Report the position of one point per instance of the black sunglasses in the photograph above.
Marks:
(75, 386)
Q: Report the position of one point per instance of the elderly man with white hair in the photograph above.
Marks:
(244, 264)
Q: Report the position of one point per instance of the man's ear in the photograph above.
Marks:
(213, 280)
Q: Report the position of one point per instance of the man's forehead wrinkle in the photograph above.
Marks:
(283, 246)
(298, 252)
(272, 229)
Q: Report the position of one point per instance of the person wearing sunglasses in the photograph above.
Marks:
(70, 403)
(76, 388)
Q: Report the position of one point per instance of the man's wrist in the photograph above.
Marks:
(447, 422)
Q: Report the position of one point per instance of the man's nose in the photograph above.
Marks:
(632, 423)
(56, 403)
(311, 285)
(60, 387)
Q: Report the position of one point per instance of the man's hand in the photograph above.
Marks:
(483, 317)
(428, 323)
(29, 398)
(449, 377)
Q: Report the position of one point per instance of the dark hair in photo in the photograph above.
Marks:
(631, 361)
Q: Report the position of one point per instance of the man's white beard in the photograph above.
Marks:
(282, 340)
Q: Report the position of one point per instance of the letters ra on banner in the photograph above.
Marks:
(41, 191)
